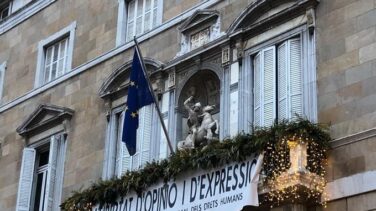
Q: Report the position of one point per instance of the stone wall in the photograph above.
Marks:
(346, 61)
(346, 71)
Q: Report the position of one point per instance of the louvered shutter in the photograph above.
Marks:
(26, 179)
(295, 78)
(123, 160)
(51, 177)
(269, 86)
(257, 91)
(145, 142)
(283, 108)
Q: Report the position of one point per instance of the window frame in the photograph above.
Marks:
(67, 32)
(122, 21)
(309, 88)
(114, 146)
(9, 4)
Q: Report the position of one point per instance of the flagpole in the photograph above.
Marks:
(154, 98)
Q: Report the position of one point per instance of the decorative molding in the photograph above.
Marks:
(353, 138)
(199, 21)
(104, 57)
(23, 14)
(249, 20)
(39, 119)
(350, 186)
(106, 90)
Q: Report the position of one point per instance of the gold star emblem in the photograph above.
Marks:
(133, 83)
(134, 114)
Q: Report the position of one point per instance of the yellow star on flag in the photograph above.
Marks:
(134, 114)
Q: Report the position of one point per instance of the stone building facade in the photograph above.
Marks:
(64, 69)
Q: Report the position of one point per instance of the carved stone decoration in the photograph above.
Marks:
(203, 128)
(45, 117)
(202, 27)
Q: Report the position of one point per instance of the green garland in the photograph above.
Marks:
(214, 155)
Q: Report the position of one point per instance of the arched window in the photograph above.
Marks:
(150, 143)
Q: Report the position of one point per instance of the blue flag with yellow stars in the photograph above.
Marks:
(139, 95)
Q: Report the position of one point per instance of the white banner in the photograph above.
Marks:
(230, 187)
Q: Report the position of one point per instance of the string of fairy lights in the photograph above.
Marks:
(282, 186)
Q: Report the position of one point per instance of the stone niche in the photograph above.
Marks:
(204, 86)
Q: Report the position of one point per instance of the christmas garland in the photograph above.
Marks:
(237, 149)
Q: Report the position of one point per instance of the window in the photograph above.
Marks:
(277, 82)
(143, 15)
(5, 9)
(55, 55)
(56, 60)
(124, 162)
(200, 38)
(2, 76)
(41, 175)
(201, 28)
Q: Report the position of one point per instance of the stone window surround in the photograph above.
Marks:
(121, 33)
(23, 14)
(3, 67)
(212, 22)
(114, 95)
(35, 135)
(68, 31)
(108, 55)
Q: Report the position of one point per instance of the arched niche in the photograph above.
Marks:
(204, 86)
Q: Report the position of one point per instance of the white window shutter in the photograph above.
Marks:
(268, 63)
(283, 108)
(146, 142)
(257, 91)
(51, 179)
(26, 180)
(295, 77)
(123, 158)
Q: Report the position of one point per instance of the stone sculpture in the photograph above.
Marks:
(203, 128)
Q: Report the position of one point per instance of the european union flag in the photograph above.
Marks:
(139, 95)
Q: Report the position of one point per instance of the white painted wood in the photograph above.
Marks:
(257, 90)
(26, 180)
(283, 80)
(51, 178)
(295, 79)
(141, 16)
(352, 185)
(145, 129)
(268, 86)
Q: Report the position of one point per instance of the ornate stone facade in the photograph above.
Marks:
(339, 61)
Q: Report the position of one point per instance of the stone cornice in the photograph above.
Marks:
(353, 138)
